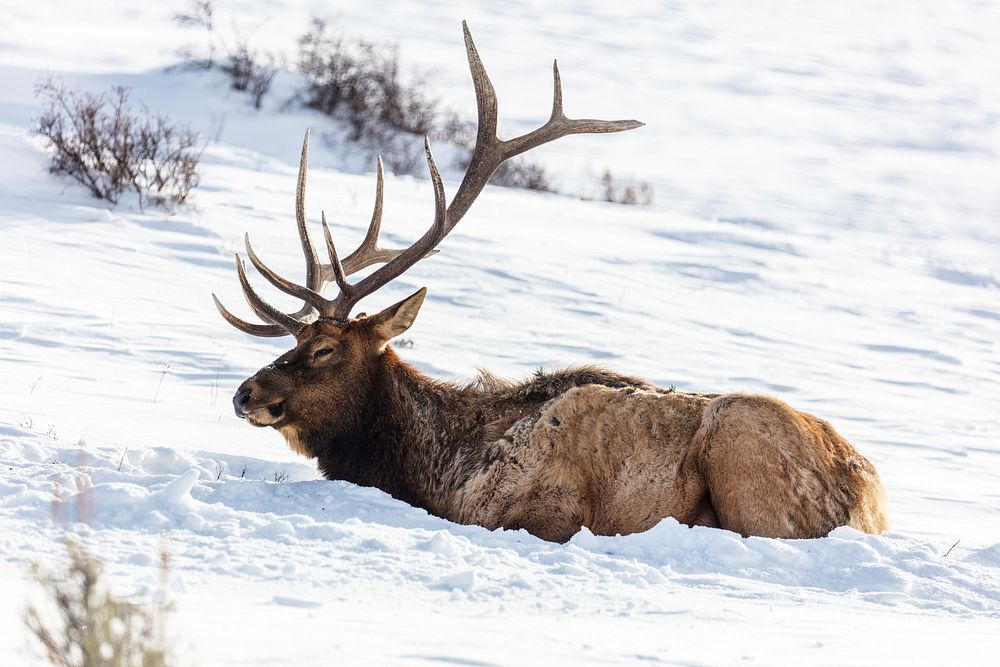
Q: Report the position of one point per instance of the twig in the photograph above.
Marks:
(163, 373)
(215, 383)
(122, 460)
(952, 547)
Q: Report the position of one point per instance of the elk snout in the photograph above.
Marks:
(252, 403)
(241, 398)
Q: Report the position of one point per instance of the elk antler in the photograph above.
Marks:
(318, 274)
(490, 151)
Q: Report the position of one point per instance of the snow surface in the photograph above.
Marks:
(825, 230)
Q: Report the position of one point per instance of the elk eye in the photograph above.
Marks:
(322, 353)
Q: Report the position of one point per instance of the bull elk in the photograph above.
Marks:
(579, 447)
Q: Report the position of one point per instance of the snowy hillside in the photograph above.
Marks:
(826, 229)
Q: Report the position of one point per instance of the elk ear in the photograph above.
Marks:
(397, 318)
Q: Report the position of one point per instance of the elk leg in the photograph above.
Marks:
(704, 514)
(773, 471)
(553, 513)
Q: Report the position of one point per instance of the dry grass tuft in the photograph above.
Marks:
(91, 627)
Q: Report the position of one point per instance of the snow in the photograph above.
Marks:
(825, 230)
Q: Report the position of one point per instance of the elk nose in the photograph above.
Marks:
(240, 401)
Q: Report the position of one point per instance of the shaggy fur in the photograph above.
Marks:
(580, 447)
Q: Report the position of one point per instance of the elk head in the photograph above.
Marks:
(324, 384)
(326, 380)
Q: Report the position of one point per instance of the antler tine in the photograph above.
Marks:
(338, 270)
(557, 104)
(263, 330)
(486, 94)
(559, 125)
(350, 294)
(313, 299)
(264, 310)
(314, 270)
(368, 252)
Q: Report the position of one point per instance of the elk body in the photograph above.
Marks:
(580, 447)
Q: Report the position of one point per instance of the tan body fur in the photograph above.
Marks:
(619, 460)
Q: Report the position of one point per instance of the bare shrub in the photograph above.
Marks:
(360, 83)
(101, 142)
(93, 627)
(629, 192)
(517, 173)
(522, 173)
(201, 15)
(250, 71)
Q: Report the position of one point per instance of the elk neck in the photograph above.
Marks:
(402, 438)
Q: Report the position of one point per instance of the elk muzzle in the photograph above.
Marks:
(252, 404)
